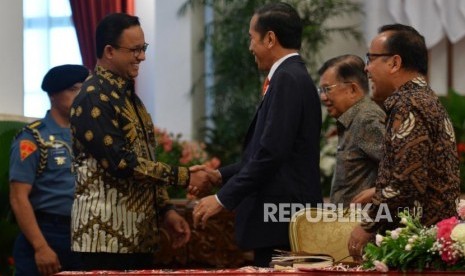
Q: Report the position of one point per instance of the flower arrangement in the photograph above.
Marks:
(171, 149)
(413, 246)
(328, 149)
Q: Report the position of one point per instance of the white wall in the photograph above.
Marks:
(166, 76)
(11, 57)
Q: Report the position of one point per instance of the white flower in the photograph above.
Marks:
(408, 247)
(458, 233)
(403, 221)
(380, 266)
(395, 234)
(327, 164)
(461, 209)
(379, 239)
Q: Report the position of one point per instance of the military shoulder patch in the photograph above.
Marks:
(26, 148)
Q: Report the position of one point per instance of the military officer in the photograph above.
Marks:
(42, 182)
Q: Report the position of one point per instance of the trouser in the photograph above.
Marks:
(117, 261)
(58, 238)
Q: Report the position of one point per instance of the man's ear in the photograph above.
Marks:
(270, 39)
(396, 63)
(108, 51)
(354, 90)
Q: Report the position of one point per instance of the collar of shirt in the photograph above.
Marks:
(278, 62)
(347, 117)
(418, 83)
(52, 126)
(112, 78)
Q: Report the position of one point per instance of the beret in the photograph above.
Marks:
(62, 77)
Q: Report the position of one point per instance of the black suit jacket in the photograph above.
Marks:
(280, 162)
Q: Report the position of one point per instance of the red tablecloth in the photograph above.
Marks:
(253, 271)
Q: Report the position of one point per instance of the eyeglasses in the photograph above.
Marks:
(327, 89)
(369, 57)
(135, 51)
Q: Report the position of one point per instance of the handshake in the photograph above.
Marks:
(202, 179)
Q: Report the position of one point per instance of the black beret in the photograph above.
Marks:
(61, 77)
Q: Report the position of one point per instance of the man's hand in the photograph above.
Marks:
(178, 228)
(364, 196)
(357, 241)
(47, 260)
(199, 181)
(207, 207)
(202, 179)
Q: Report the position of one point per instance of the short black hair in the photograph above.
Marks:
(409, 44)
(284, 21)
(110, 28)
(348, 68)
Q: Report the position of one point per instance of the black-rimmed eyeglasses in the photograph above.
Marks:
(370, 56)
(135, 51)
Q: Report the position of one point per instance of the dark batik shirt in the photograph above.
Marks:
(119, 185)
(420, 168)
(360, 148)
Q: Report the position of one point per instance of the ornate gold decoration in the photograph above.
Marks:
(129, 112)
(110, 77)
(107, 140)
(114, 94)
(89, 135)
(90, 88)
(95, 112)
(122, 164)
(78, 111)
(104, 98)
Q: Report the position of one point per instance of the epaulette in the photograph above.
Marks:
(33, 128)
(29, 127)
(34, 125)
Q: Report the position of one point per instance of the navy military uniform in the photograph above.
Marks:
(41, 155)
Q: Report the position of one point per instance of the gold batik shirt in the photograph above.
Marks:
(420, 168)
(120, 188)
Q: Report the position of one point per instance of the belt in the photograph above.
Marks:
(52, 218)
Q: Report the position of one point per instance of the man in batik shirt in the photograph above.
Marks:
(120, 190)
(420, 168)
(360, 127)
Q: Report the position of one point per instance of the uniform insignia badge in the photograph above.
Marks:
(60, 160)
(26, 148)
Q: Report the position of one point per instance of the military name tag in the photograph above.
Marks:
(59, 155)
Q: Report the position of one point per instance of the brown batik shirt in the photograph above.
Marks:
(420, 168)
(120, 188)
(360, 147)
